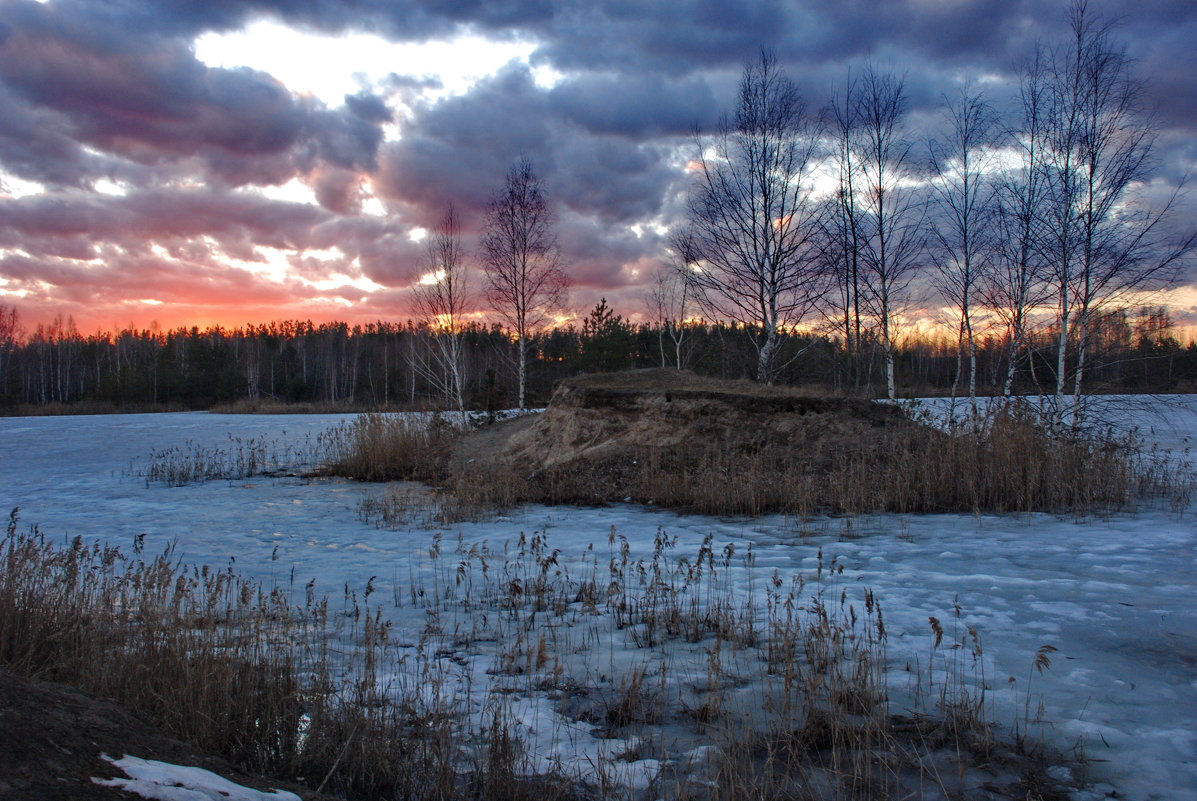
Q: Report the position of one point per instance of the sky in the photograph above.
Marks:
(227, 162)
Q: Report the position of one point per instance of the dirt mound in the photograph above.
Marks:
(673, 438)
(677, 413)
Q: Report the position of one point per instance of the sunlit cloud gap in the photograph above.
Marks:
(300, 59)
(294, 191)
(13, 187)
(430, 279)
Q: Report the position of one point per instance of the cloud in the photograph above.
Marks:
(209, 251)
(639, 106)
(35, 144)
(143, 97)
(459, 149)
(94, 93)
(339, 191)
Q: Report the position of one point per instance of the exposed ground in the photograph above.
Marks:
(620, 436)
(613, 416)
(52, 736)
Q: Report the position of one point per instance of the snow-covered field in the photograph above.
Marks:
(1116, 596)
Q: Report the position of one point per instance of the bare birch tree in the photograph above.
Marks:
(962, 231)
(441, 297)
(523, 263)
(1102, 241)
(892, 215)
(1016, 286)
(670, 301)
(752, 216)
(843, 231)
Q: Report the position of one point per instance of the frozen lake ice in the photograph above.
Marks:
(1117, 595)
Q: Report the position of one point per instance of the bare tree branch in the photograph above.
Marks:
(962, 231)
(893, 236)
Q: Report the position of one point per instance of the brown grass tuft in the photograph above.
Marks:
(390, 447)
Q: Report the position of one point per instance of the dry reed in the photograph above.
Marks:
(390, 447)
(297, 690)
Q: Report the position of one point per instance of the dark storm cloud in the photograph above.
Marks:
(597, 253)
(385, 253)
(35, 143)
(600, 178)
(672, 38)
(611, 178)
(1167, 63)
(458, 150)
(636, 106)
(368, 107)
(160, 214)
(400, 20)
(682, 37)
(678, 38)
(339, 191)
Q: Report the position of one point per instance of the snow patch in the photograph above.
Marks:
(163, 781)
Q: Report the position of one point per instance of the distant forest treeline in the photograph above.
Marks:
(395, 365)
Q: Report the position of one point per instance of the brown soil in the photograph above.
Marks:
(604, 437)
(601, 416)
(604, 416)
(52, 736)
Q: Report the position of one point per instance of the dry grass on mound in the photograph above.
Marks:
(682, 381)
(734, 448)
(1011, 465)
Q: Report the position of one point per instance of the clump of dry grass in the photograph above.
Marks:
(456, 498)
(165, 640)
(58, 409)
(671, 380)
(390, 447)
(374, 446)
(240, 458)
(270, 405)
